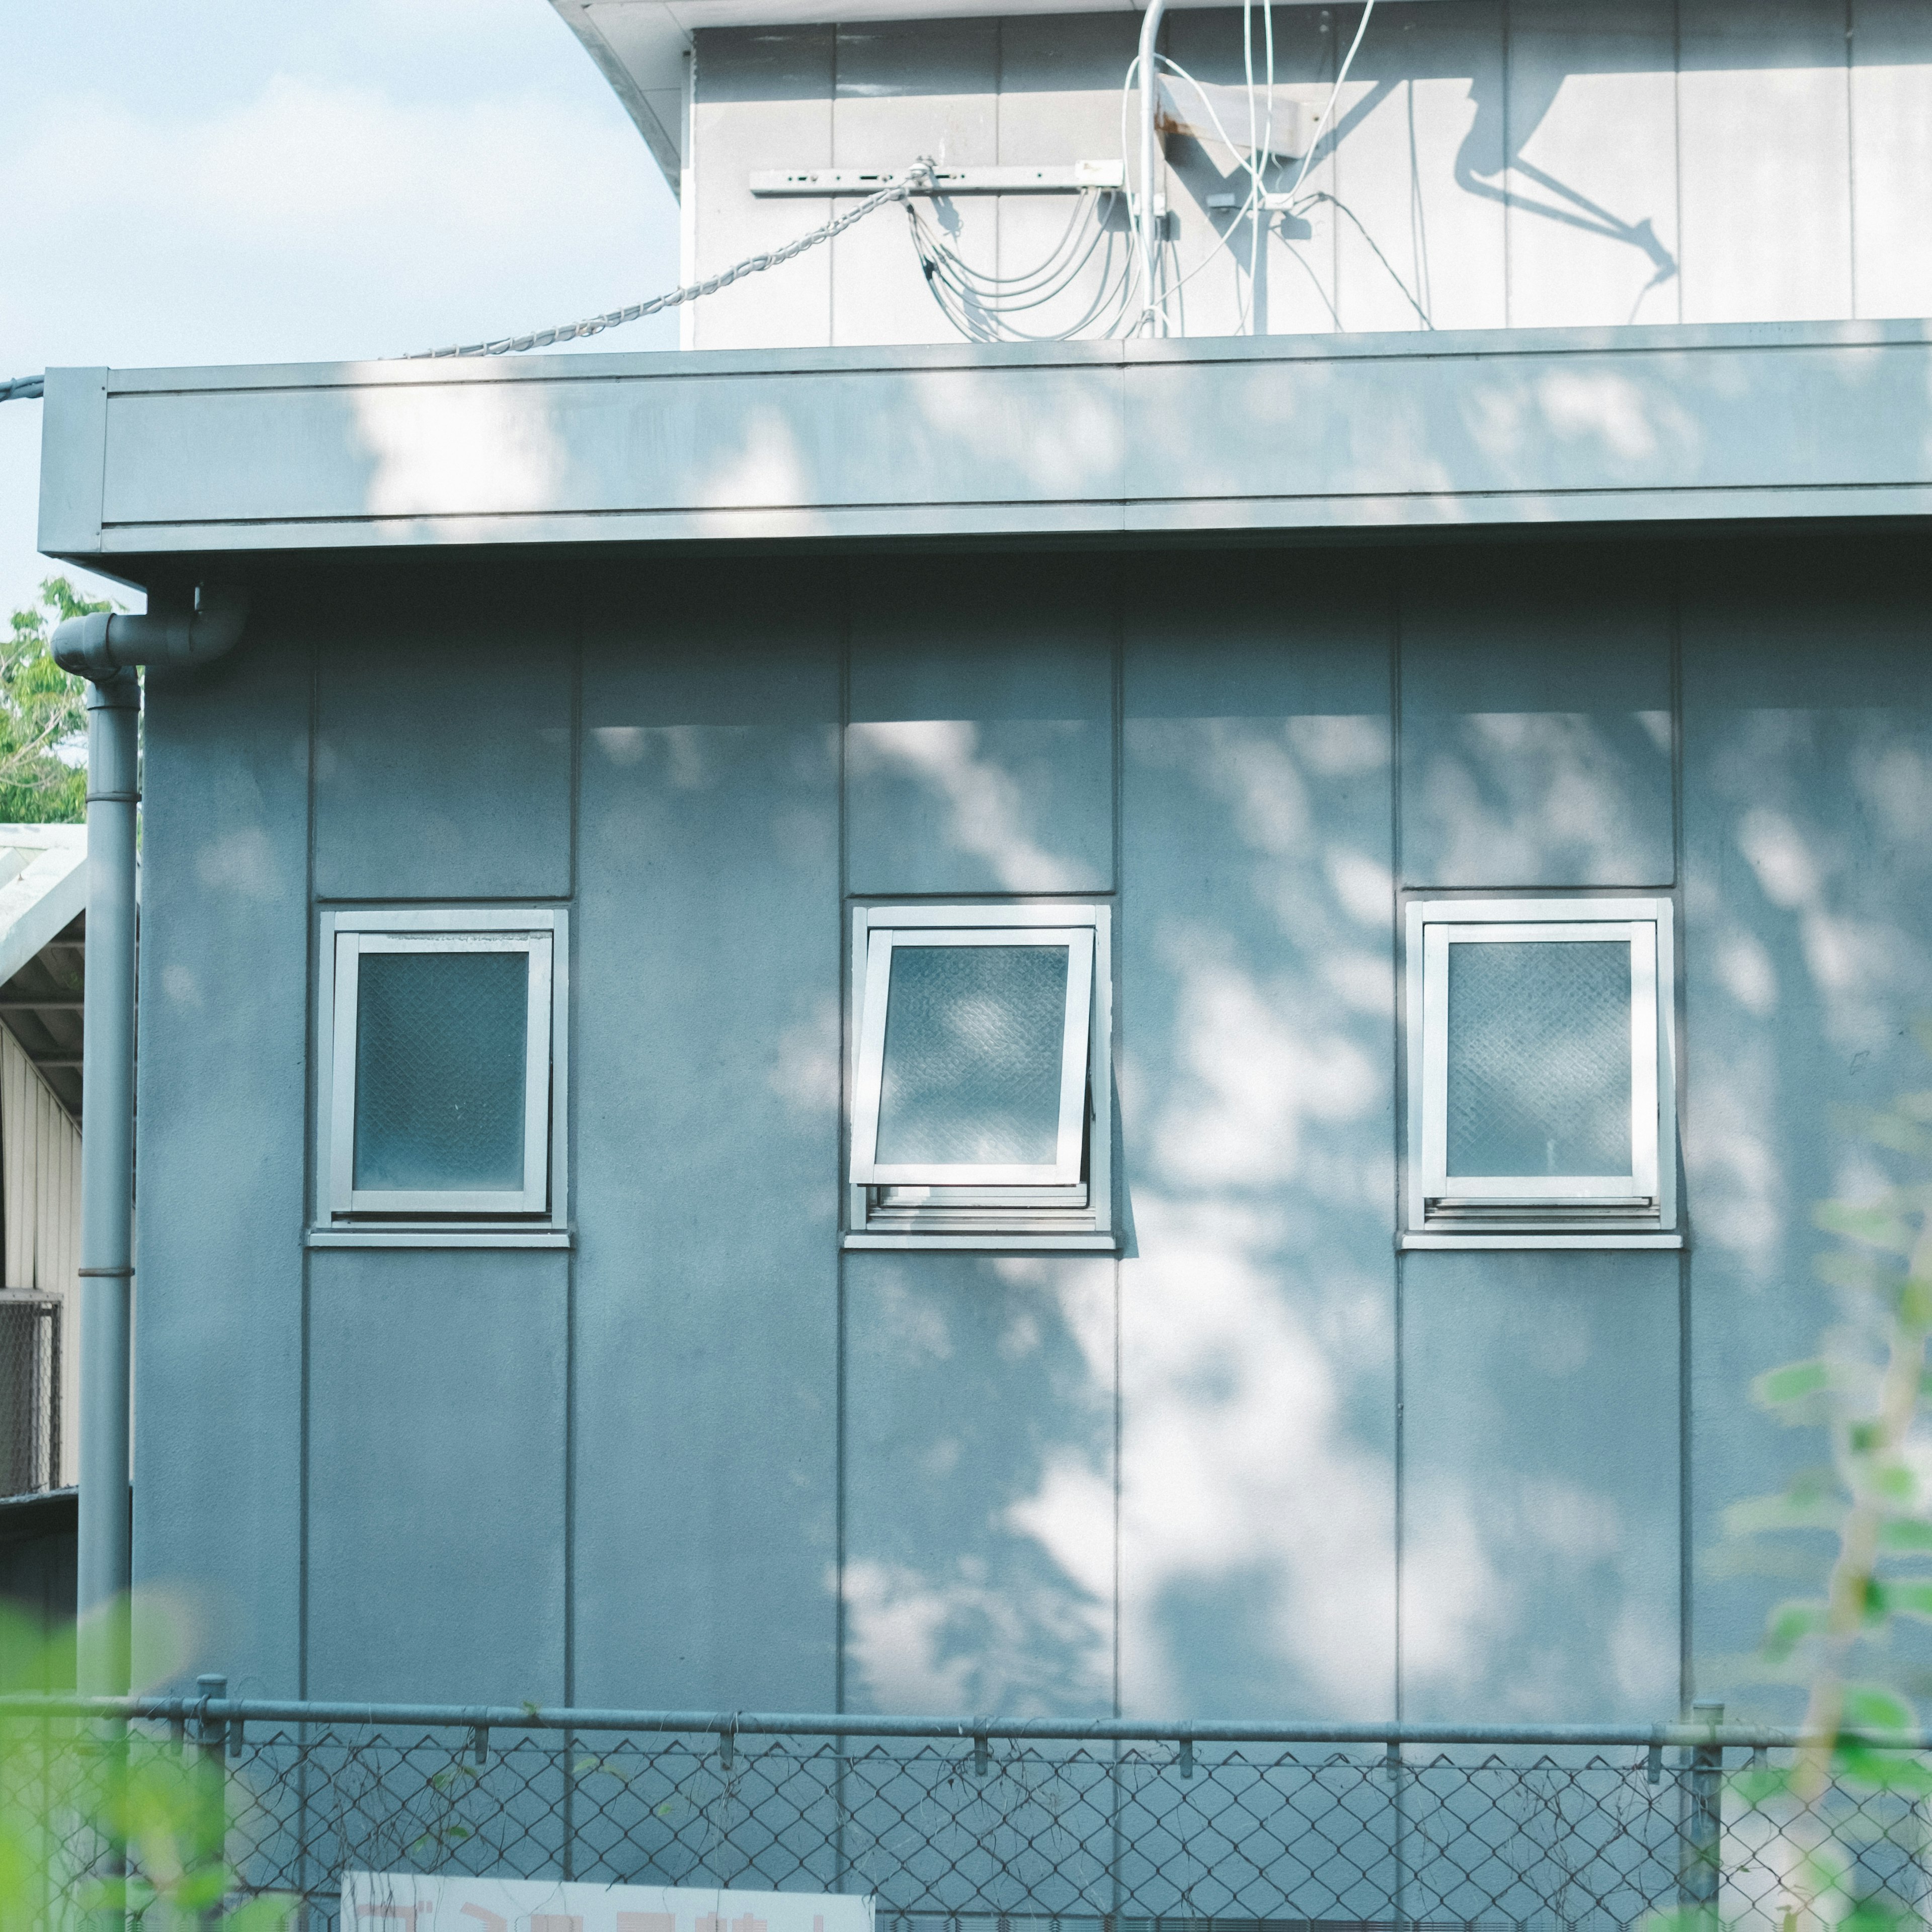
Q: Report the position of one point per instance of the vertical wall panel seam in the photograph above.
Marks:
(567, 1204)
(688, 210)
(845, 969)
(1333, 30)
(311, 1020)
(1851, 158)
(1686, 1663)
(1119, 952)
(1399, 1111)
(1677, 138)
(1509, 212)
(999, 98)
(832, 250)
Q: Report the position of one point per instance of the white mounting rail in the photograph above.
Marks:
(1073, 180)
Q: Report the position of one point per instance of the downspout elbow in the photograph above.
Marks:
(105, 642)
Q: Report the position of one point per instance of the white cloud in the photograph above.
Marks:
(347, 179)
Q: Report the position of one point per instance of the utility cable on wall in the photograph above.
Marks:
(919, 179)
(980, 305)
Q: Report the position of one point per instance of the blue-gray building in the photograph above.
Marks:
(877, 1017)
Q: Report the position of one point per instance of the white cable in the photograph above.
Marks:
(1137, 204)
(1106, 308)
(1249, 206)
(1244, 309)
(1001, 288)
(1334, 95)
(1255, 247)
(979, 305)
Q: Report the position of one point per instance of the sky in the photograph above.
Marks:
(211, 181)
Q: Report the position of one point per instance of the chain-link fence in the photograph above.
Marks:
(967, 1826)
(30, 1383)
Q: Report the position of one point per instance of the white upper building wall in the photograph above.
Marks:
(1492, 163)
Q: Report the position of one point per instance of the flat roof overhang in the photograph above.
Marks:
(639, 45)
(1084, 441)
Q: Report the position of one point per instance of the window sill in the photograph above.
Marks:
(990, 1242)
(437, 1237)
(1410, 1243)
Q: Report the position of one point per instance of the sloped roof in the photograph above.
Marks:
(42, 940)
(639, 46)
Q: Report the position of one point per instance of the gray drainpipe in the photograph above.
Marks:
(104, 649)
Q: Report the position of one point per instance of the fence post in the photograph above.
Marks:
(1701, 1872)
(211, 1741)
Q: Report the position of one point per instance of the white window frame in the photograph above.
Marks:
(530, 1215)
(1048, 1205)
(1638, 1209)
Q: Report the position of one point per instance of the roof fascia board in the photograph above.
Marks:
(1319, 433)
(655, 67)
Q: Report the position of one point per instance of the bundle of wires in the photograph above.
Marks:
(985, 306)
(981, 306)
(1254, 162)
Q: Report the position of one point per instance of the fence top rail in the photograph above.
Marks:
(219, 1710)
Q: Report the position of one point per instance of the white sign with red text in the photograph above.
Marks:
(408, 1902)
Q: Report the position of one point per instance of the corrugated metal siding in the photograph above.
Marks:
(40, 1203)
(1499, 164)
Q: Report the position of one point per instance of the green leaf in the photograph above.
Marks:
(1792, 1383)
(1759, 1784)
(1790, 1623)
(1895, 1484)
(1902, 1534)
(1883, 1770)
(1874, 1915)
(267, 1913)
(199, 1890)
(1678, 1918)
(1908, 1597)
(1765, 1515)
(1877, 1227)
(1869, 1707)
(1864, 1274)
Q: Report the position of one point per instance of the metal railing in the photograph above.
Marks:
(30, 1392)
(974, 1825)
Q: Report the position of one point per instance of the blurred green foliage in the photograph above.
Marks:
(42, 712)
(95, 1818)
(1859, 1520)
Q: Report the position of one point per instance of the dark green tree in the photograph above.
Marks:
(41, 713)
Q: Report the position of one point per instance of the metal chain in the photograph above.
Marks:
(918, 180)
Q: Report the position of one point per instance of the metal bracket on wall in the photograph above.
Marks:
(1071, 180)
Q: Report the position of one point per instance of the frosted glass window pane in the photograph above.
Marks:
(974, 1040)
(440, 1068)
(1540, 1058)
